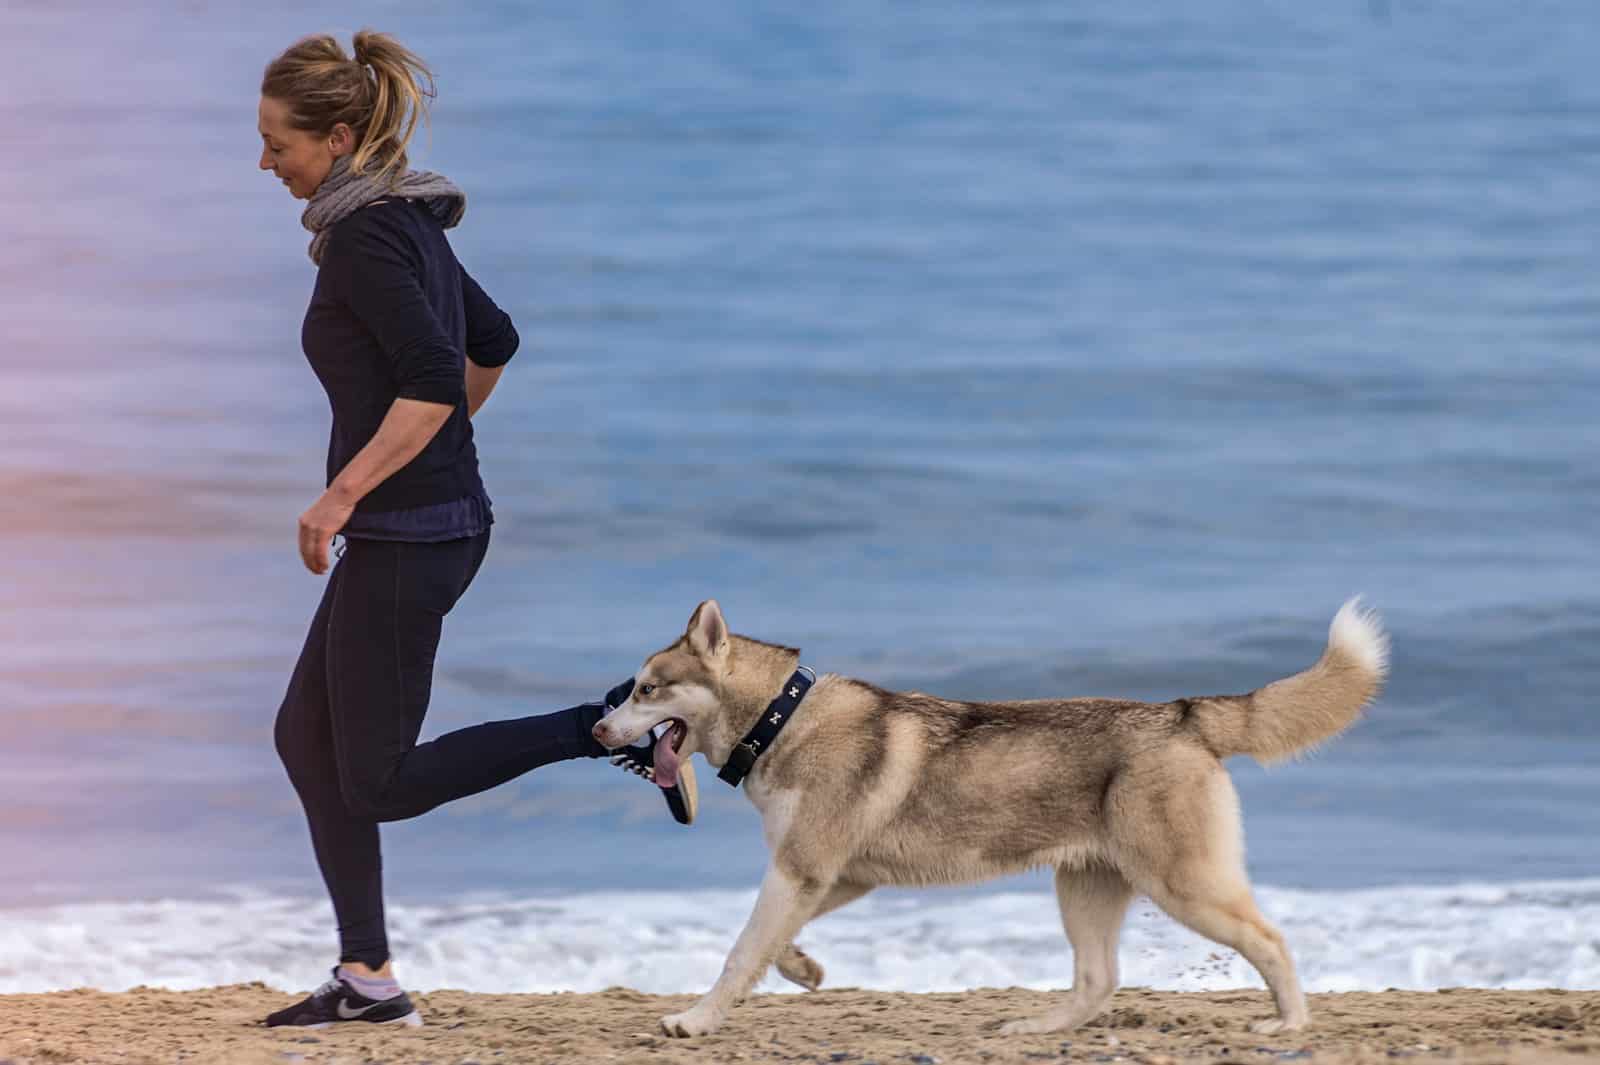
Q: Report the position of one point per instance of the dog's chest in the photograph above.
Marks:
(775, 805)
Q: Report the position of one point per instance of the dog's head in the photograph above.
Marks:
(682, 684)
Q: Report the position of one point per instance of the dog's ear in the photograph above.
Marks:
(707, 632)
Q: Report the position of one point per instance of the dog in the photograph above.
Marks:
(865, 787)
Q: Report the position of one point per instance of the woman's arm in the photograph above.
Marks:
(405, 431)
(491, 341)
(480, 382)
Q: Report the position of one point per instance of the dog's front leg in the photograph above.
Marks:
(781, 909)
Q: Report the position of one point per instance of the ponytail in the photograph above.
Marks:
(382, 93)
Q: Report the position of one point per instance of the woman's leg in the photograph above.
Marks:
(384, 628)
(359, 645)
(346, 846)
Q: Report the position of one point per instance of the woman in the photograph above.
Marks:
(408, 348)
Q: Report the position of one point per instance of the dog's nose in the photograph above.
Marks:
(602, 734)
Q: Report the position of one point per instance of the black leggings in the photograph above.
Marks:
(347, 730)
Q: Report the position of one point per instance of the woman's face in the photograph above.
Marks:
(300, 158)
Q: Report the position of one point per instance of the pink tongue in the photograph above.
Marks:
(666, 760)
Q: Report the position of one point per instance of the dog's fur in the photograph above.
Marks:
(867, 787)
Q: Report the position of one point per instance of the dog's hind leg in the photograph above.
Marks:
(1093, 901)
(1186, 851)
(785, 903)
(796, 965)
(1225, 912)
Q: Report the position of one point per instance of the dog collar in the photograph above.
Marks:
(773, 718)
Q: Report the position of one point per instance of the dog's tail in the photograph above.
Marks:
(1292, 715)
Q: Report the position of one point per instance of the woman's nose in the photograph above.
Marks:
(266, 160)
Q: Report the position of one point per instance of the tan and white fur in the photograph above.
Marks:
(866, 787)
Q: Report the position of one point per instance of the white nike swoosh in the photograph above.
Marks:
(348, 1014)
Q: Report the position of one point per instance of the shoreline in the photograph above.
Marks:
(847, 1026)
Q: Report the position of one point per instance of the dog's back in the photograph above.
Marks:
(938, 791)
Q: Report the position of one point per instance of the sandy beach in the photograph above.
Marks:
(847, 1025)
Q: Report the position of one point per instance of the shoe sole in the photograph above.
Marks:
(690, 791)
(410, 1020)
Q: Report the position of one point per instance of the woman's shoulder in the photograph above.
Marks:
(379, 215)
(386, 227)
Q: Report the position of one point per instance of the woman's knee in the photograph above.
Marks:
(307, 761)
(286, 737)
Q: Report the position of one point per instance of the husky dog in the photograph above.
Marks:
(865, 787)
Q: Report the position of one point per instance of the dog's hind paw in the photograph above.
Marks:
(690, 1023)
(1278, 1024)
(799, 967)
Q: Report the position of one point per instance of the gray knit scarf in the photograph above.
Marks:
(343, 192)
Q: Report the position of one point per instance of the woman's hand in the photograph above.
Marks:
(317, 526)
(405, 431)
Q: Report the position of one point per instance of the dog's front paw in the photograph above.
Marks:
(799, 967)
(1278, 1024)
(691, 1022)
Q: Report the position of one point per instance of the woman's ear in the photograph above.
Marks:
(342, 140)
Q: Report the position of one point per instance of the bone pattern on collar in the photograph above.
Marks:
(742, 759)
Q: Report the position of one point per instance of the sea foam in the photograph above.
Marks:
(1516, 935)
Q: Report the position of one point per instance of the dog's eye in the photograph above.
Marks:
(646, 689)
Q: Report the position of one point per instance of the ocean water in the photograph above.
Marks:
(1002, 350)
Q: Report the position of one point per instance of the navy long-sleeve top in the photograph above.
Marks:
(394, 315)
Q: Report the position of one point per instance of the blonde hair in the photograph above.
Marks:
(381, 93)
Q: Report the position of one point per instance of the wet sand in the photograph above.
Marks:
(846, 1026)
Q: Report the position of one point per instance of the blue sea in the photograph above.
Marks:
(999, 350)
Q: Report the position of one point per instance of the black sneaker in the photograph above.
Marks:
(683, 797)
(337, 1001)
